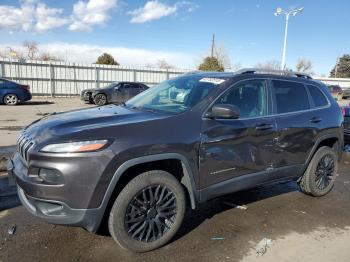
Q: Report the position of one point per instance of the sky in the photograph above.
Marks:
(141, 32)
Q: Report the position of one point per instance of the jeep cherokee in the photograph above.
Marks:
(178, 144)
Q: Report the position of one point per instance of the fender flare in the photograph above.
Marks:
(317, 143)
(187, 179)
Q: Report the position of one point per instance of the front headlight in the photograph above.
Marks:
(75, 147)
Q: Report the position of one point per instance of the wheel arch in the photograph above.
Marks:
(186, 180)
(330, 140)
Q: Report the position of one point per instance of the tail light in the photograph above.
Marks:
(343, 111)
(25, 87)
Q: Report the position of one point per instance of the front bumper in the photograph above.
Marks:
(59, 213)
(86, 97)
(58, 204)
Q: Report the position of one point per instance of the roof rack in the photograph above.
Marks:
(273, 72)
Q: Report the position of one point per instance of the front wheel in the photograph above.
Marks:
(100, 99)
(148, 211)
(319, 177)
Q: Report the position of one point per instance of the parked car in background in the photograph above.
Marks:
(346, 114)
(339, 93)
(116, 92)
(178, 144)
(12, 93)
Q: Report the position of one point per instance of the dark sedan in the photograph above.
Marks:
(116, 92)
(12, 93)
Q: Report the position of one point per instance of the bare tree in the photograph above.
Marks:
(221, 54)
(46, 56)
(304, 66)
(163, 64)
(269, 65)
(31, 49)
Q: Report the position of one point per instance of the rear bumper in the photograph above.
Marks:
(25, 97)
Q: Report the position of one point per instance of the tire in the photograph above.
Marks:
(132, 199)
(11, 99)
(318, 181)
(100, 99)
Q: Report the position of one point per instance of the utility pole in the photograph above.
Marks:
(212, 46)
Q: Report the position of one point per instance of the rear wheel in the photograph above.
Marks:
(11, 99)
(319, 177)
(100, 99)
(148, 211)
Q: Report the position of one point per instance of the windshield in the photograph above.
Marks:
(114, 84)
(175, 95)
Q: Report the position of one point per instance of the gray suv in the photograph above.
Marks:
(178, 144)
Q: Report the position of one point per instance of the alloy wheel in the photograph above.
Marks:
(151, 213)
(100, 99)
(325, 172)
(11, 99)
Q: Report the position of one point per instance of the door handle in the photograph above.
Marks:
(315, 119)
(263, 127)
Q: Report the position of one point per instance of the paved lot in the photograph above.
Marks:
(302, 228)
(14, 118)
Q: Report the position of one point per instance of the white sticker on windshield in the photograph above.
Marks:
(215, 81)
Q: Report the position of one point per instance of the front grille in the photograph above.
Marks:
(24, 145)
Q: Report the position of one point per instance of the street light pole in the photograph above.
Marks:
(288, 13)
(283, 64)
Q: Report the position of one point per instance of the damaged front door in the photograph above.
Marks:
(236, 147)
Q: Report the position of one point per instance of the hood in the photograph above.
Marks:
(95, 89)
(72, 122)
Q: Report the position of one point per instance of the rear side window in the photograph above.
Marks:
(290, 96)
(317, 96)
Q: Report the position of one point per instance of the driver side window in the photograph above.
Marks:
(249, 96)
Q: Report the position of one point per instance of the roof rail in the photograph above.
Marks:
(273, 72)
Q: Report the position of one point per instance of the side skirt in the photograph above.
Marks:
(250, 181)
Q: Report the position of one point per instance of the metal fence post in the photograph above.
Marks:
(134, 75)
(97, 76)
(52, 79)
(75, 79)
(2, 68)
(167, 74)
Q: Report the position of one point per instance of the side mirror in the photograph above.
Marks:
(224, 111)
